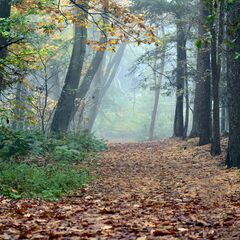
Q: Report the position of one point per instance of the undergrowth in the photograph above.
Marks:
(35, 166)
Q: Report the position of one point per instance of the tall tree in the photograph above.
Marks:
(180, 78)
(102, 83)
(186, 123)
(5, 10)
(181, 10)
(233, 80)
(203, 85)
(94, 66)
(62, 116)
(216, 45)
(157, 90)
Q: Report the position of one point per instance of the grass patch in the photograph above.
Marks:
(34, 166)
(49, 182)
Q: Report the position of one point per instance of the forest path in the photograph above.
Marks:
(156, 190)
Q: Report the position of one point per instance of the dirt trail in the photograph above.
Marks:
(156, 190)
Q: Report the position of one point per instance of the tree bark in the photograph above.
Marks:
(107, 78)
(18, 122)
(5, 11)
(223, 120)
(185, 131)
(233, 80)
(181, 74)
(157, 90)
(195, 132)
(204, 82)
(216, 71)
(62, 116)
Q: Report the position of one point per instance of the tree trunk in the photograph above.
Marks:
(88, 78)
(233, 79)
(62, 116)
(216, 70)
(195, 132)
(215, 146)
(223, 120)
(181, 74)
(18, 122)
(185, 132)
(92, 70)
(5, 10)
(157, 90)
(204, 82)
(107, 78)
(98, 84)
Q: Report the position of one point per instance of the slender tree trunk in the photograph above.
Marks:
(185, 132)
(216, 70)
(227, 119)
(89, 77)
(195, 132)
(155, 110)
(233, 79)
(110, 77)
(5, 10)
(107, 79)
(87, 80)
(18, 121)
(97, 85)
(204, 82)
(62, 116)
(223, 120)
(157, 90)
(181, 60)
(94, 66)
(215, 147)
(224, 103)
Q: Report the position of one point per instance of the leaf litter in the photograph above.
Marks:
(155, 190)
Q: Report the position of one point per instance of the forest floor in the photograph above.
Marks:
(154, 190)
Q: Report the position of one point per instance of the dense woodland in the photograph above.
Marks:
(76, 72)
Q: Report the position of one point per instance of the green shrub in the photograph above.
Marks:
(14, 143)
(49, 182)
(68, 147)
(86, 141)
(35, 166)
(63, 153)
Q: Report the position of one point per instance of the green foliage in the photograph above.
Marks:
(46, 182)
(14, 143)
(67, 154)
(87, 141)
(198, 43)
(69, 147)
(32, 165)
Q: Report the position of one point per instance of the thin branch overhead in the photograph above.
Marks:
(106, 15)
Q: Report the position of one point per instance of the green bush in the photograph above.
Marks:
(32, 165)
(14, 143)
(85, 141)
(31, 181)
(63, 153)
(68, 147)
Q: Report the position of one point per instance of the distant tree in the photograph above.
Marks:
(182, 11)
(102, 82)
(158, 76)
